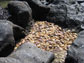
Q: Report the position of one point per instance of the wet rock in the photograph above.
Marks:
(75, 53)
(29, 53)
(21, 13)
(39, 11)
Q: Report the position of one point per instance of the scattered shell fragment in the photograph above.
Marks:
(50, 37)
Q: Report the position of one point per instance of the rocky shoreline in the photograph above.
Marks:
(42, 22)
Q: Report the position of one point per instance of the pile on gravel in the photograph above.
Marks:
(50, 37)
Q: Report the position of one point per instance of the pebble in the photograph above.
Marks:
(50, 37)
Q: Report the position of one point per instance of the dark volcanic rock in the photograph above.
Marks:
(19, 32)
(7, 41)
(70, 15)
(8, 36)
(75, 15)
(39, 11)
(29, 53)
(80, 1)
(57, 13)
(75, 53)
(65, 12)
(21, 13)
(66, 1)
(4, 14)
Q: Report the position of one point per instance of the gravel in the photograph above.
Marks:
(50, 37)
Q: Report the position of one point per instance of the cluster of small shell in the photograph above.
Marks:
(50, 37)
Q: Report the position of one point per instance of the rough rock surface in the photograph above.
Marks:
(21, 13)
(18, 32)
(39, 11)
(3, 13)
(64, 12)
(29, 53)
(65, 1)
(68, 13)
(75, 15)
(75, 53)
(71, 15)
(9, 60)
(57, 13)
(6, 37)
